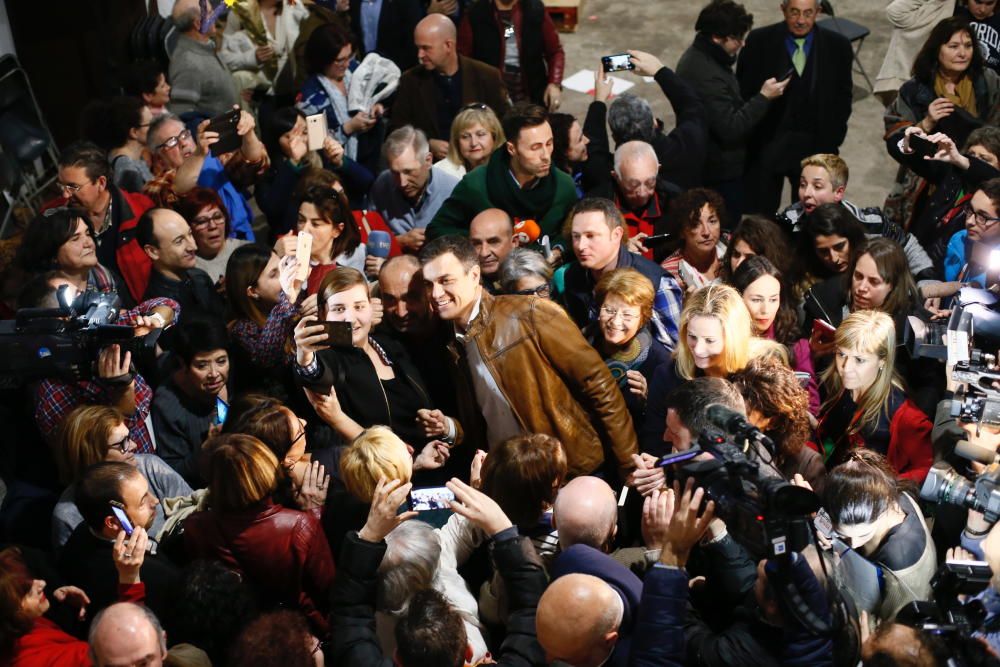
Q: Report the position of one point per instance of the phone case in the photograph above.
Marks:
(303, 250)
(225, 125)
(316, 130)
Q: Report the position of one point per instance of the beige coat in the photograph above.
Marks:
(912, 22)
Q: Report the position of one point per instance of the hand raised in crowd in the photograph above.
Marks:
(476, 469)
(327, 406)
(947, 151)
(412, 240)
(311, 494)
(129, 554)
(373, 265)
(552, 96)
(294, 145)
(111, 364)
(310, 337)
(647, 476)
(434, 422)
(820, 347)
(205, 137)
(383, 517)
(938, 109)
(264, 53)
(909, 132)
(246, 123)
(378, 311)
(73, 597)
(602, 84)
(773, 89)
(636, 244)
(359, 123)
(646, 64)
(333, 150)
(637, 384)
(478, 508)
(288, 277)
(309, 306)
(286, 245)
(439, 148)
(657, 509)
(685, 527)
(433, 456)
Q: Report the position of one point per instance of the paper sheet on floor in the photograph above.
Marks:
(583, 82)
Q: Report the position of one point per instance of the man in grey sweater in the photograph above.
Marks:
(199, 80)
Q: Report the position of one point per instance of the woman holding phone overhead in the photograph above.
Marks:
(356, 378)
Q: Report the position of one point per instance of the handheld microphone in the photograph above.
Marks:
(736, 424)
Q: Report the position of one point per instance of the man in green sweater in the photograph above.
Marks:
(519, 179)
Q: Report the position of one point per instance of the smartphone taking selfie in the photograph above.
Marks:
(225, 125)
(339, 334)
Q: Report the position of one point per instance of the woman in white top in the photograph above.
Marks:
(475, 134)
(258, 41)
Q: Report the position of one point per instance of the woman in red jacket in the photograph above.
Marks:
(867, 404)
(282, 553)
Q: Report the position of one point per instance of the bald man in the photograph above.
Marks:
(578, 620)
(432, 93)
(492, 235)
(127, 634)
(586, 512)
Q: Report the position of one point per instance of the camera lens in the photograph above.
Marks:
(944, 485)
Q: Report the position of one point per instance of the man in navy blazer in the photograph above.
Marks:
(811, 117)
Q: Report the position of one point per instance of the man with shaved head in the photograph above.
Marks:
(127, 634)
(578, 620)
(492, 235)
(586, 512)
(432, 93)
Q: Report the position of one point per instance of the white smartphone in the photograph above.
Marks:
(316, 129)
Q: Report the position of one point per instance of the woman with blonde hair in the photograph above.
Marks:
(475, 133)
(868, 405)
(94, 433)
(621, 334)
(281, 552)
(715, 333)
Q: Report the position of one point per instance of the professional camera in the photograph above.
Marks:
(64, 342)
(947, 615)
(945, 485)
(767, 515)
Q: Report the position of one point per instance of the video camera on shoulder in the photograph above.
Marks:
(64, 342)
(947, 615)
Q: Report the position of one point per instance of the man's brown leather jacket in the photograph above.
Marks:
(553, 380)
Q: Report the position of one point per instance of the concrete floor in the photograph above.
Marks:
(665, 28)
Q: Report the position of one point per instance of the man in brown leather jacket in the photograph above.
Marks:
(522, 366)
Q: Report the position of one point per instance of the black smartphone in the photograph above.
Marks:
(339, 334)
(118, 510)
(225, 125)
(920, 146)
(617, 63)
(656, 238)
(430, 498)
(787, 74)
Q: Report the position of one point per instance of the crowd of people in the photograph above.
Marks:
(419, 370)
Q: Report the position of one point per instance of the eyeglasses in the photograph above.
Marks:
(72, 188)
(542, 290)
(981, 218)
(217, 218)
(173, 141)
(124, 445)
(611, 314)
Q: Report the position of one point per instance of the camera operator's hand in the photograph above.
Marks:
(478, 508)
(382, 517)
(129, 554)
(958, 553)
(686, 527)
(111, 364)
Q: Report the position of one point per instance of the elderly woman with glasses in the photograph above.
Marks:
(209, 221)
(621, 334)
(95, 433)
(526, 273)
(475, 133)
(982, 215)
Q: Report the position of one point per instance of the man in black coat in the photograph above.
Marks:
(708, 66)
(393, 36)
(431, 94)
(811, 117)
(86, 559)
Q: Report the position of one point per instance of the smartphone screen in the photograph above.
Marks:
(430, 498)
(221, 411)
(617, 62)
(339, 334)
(119, 511)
